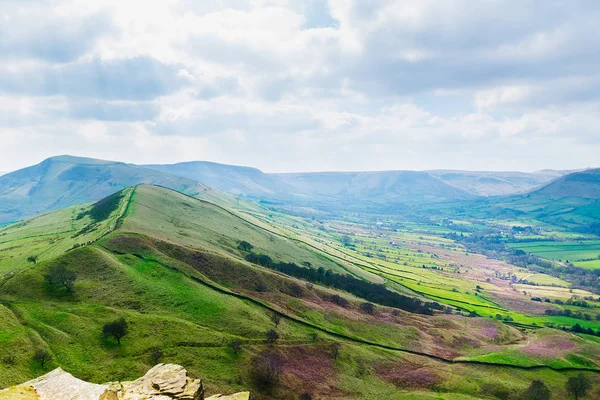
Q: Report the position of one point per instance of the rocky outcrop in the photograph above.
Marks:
(162, 382)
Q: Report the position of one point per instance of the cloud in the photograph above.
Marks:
(138, 78)
(29, 30)
(312, 85)
(113, 111)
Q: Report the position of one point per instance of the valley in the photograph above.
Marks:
(452, 300)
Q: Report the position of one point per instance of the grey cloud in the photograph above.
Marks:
(138, 78)
(33, 33)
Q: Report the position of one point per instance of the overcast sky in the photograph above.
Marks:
(303, 85)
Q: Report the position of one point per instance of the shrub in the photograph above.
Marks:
(156, 354)
(272, 336)
(245, 246)
(368, 308)
(537, 391)
(236, 346)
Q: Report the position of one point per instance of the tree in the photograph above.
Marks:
(32, 259)
(537, 391)
(295, 290)
(578, 386)
(272, 336)
(245, 246)
(266, 370)
(368, 308)
(42, 356)
(236, 346)
(116, 329)
(61, 275)
(156, 354)
(306, 396)
(276, 318)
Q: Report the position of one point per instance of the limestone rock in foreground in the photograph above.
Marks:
(237, 396)
(59, 384)
(163, 382)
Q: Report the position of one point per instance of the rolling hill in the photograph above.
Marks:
(63, 181)
(497, 183)
(173, 266)
(378, 186)
(584, 184)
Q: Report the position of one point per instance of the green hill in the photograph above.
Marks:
(63, 181)
(173, 267)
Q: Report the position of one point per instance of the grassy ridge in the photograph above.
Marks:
(170, 268)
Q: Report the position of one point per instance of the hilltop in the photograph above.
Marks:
(202, 285)
(63, 181)
(585, 184)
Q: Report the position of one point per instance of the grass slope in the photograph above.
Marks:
(172, 269)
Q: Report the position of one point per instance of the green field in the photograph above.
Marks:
(561, 250)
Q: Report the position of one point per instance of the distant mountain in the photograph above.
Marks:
(63, 181)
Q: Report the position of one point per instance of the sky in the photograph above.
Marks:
(308, 85)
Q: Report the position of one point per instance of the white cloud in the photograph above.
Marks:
(286, 85)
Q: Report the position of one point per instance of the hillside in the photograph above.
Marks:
(570, 202)
(497, 183)
(174, 268)
(63, 181)
(584, 184)
(228, 178)
(378, 186)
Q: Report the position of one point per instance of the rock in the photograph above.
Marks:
(237, 396)
(164, 382)
(19, 393)
(59, 384)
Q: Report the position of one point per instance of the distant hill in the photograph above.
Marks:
(584, 184)
(497, 183)
(387, 186)
(571, 201)
(63, 181)
(377, 186)
(233, 179)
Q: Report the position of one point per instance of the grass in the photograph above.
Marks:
(173, 270)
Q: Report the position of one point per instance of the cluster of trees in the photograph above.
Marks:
(102, 209)
(577, 386)
(580, 329)
(369, 291)
(569, 313)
